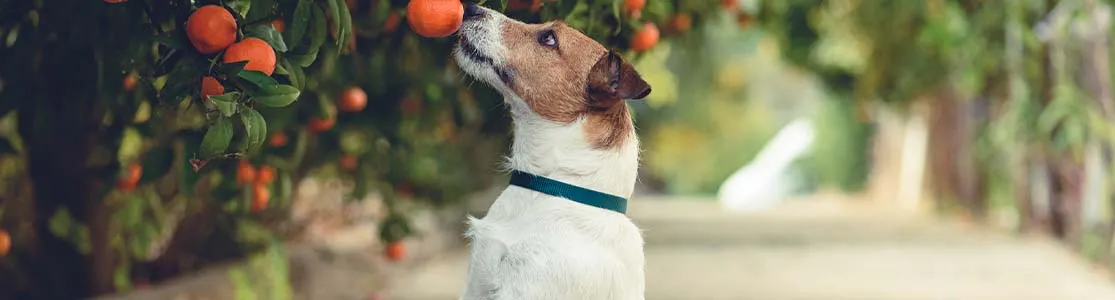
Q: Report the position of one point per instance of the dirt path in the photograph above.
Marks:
(823, 250)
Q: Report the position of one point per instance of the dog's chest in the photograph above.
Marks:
(555, 249)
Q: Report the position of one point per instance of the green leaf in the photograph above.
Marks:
(131, 215)
(216, 140)
(175, 39)
(121, 277)
(240, 6)
(232, 69)
(317, 31)
(185, 79)
(279, 95)
(281, 67)
(261, 9)
(226, 103)
(299, 73)
(292, 72)
(334, 11)
(256, 128)
(317, 34)
(346, 26)
(304, 60)
(299, 21)
(156, 163)
(268, 34)
(256, 79)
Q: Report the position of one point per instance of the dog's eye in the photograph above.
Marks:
(548, 39)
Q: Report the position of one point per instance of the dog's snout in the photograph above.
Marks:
(473, 11)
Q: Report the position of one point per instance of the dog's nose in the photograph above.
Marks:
(473, 11)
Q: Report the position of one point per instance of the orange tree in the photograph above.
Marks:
(155, 136)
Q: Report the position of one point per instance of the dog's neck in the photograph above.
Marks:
(563, 152)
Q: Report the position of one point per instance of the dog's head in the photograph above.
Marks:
(551, 68)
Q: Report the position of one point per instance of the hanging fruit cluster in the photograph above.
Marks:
(222, 105)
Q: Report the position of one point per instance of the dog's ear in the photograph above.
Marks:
(612, 80)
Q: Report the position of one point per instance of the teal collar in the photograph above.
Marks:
(577, 194)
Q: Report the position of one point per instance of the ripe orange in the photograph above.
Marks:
(634, 7)
(435, 18)
(353, 99)
(318, 124)
(744, 20)
(5, 242)
(278, 139)
(392, 22)
(211, 29)
(245, 172)
(348, 162)
(729, 4)
(260, 196)
(279, 25)
(260, 55)
(645, 38)
(681, 23)
(265, 174)
(532, 5)
(130, 178)
(130, 81)
(411, 106)
(211, 87)
(396, 251)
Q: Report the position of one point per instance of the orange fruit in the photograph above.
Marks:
(130, 178)
(211, 87)
(353, 99)
(634, 7)
(211, 28)
(5, 242)
(729, 4)
(278, 139)
(396, 251)
(411, 106)
(744, 20)
(265, 174)
(260, 196)
(681, 23)
(435, 18)
(245, 172)
(279, 25)
(130, 82)
(532, 5)
(348, 162)
(645, 38)
(318, 124)
(392, 22)
(260, 55)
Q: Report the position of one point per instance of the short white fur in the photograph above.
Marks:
(535, 246)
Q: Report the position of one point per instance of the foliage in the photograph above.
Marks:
(1033, 75)
(425, 134)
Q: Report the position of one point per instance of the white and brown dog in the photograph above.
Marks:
(559, 231)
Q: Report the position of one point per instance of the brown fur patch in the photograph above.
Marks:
(607, 129)
(551, 80)
(555, 82)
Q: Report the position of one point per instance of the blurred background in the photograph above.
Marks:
(792, 149)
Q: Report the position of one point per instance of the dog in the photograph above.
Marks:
(572, 132)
